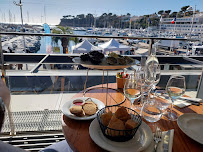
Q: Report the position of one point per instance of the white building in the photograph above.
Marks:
(184, 25)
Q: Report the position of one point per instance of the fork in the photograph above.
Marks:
(157, 137)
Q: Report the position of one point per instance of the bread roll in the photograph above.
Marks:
(130, 124)
(117, 124)
(106, 117)
(91, 102)
(77, 110)
(122, 114)
(89, 109)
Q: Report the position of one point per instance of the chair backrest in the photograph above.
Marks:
(200, 87)
(2, 112)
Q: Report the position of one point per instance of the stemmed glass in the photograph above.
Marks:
(175, 89)
(156, 75)
(152, 75)
(163, 100)
(131, 90)
(148, 79)
(142, 85)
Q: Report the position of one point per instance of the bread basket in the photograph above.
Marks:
(121, 135)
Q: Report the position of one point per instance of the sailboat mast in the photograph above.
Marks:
(28, 18)
(44, 13)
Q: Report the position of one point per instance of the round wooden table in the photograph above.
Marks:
(77, 132)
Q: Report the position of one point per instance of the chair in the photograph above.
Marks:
(61, 146)
(200, 87)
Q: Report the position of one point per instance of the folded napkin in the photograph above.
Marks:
(160, 144)
(186, 101)
(180, 102)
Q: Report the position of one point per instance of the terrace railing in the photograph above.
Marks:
(41, 59)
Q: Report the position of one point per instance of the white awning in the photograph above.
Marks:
(85, 47)
(113, 45)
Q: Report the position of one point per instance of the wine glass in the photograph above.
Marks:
(144, 85)
(175, 89)
(162, 99)
(152, 75)
(152, 78)
(131, 90)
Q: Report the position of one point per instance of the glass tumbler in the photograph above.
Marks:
(151, 111)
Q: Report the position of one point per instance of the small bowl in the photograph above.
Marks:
(123, 135)
(78, 102)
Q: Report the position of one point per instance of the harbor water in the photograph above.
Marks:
(71, 43)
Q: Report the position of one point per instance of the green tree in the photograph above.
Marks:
(184, 8)
(173, 14)
(155, 21)
(64, 40)
(90, 19)
(160, 12)
(128, 14)
(168, 12)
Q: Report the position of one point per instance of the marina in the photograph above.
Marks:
(97, 78)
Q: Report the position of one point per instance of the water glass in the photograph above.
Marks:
(151, 111)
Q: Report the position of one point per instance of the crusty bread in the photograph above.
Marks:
(89, 109)
(106, 117)
(122, 114)
(91, 102)
(77, 110)
(117, 124)
(130, 124)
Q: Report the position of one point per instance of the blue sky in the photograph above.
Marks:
(55, 9)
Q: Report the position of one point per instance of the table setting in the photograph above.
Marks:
(148, 120)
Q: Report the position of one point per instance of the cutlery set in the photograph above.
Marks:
(159, 136)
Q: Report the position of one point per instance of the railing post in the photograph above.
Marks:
(150, 46)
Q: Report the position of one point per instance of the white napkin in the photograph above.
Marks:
(185, 101)
(160, 145)
(182, 101)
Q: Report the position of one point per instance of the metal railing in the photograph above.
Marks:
(151, 39)
(48, 58)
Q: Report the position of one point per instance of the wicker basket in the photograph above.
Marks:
(121, 135)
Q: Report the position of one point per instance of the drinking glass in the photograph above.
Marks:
(156, 106)
(151, 112)
(163, 100)
(152, 75)
(175, 89)
(131, 89)
(143, 85)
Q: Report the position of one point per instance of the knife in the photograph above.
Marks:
(166, 141)
(198, 100)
